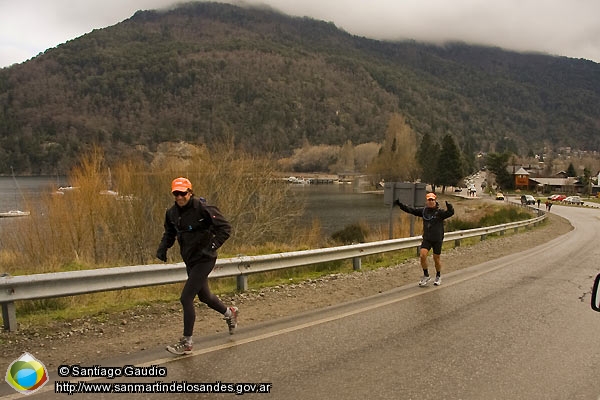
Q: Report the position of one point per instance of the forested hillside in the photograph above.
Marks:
(207, 72)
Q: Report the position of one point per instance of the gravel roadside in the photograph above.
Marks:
(88, 340)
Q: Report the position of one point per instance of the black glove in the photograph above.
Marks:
(447, 205)
(397, 202)
(161, 254)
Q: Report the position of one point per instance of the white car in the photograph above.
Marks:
(573, 200)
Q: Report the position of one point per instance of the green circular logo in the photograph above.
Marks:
(26, 374)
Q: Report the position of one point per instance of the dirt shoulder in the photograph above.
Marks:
(91, 339)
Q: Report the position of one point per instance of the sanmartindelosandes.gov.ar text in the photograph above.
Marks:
(240, 388)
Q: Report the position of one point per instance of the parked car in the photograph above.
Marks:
(557, 197)
(527, 199)
(499, 196)
(573, 200)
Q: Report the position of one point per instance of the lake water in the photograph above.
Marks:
(12, 191)
(339, 205)
(335, 205)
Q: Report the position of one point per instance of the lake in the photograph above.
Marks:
(335, 205)
(339, 205)
(12, 191)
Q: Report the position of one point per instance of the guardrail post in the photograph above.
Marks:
(457, 243)
(502, 233)
(242, 283)
(484, 236)
(9, 316)
(517, 230)
(356, 263)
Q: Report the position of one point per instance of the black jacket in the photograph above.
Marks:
(433, 219)
(199, 228)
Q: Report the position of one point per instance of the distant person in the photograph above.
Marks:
(200, 230)
(539, 201)
(433, 234)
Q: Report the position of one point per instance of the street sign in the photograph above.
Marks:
(411, 194)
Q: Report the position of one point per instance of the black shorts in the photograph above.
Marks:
(437, 246)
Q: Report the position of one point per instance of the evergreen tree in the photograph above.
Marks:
(470, 163)
(427, 159)
(497, 163)
(530, 154)
(450, 165)
(586, 180)
(571, 170)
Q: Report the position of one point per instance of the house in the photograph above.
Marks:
(521, 179)
(561, 174)
(568, 185)
(596, 188)
(559, 183)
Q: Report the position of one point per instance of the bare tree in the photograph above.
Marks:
(396, 160)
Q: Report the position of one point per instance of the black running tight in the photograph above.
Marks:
(197, 284)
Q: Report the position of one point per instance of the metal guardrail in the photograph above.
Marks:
(61, 284)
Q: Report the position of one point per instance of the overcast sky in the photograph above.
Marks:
(559, 27)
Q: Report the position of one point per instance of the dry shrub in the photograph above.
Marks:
(246, 189)
(90, 227)
(400, 227)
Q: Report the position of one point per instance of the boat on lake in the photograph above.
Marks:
(14, 213)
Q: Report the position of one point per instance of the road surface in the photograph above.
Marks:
(519, 327)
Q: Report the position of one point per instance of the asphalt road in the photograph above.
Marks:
(519, 327)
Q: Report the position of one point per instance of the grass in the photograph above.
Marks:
(68, 308)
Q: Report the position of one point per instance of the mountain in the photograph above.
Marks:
(208, 72)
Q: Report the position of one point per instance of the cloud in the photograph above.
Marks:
(558, 27)
(553, 26)
(30, 27)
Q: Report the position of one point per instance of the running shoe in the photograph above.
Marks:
(232, 320)
(182, 347)
(438, 281)
(424, 280)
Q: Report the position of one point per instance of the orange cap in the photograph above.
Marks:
(181, 185)
(431, 196)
